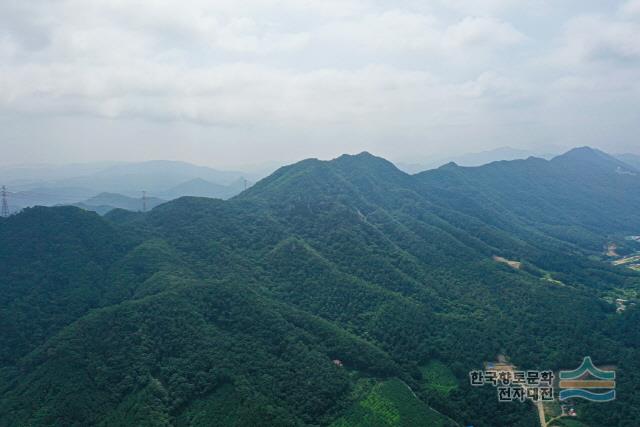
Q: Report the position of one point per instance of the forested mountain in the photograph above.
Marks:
(343, 293)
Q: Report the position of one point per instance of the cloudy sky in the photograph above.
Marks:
(228, 82)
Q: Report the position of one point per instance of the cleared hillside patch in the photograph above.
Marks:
(391, 404)
(438, 377)
(510, 263)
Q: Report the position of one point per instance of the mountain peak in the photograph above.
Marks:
(586, 154)
(318, 178)
(364, 160)
(593, 159)
(449, 165)
(363, 156)
(583, 151)
(197, 180)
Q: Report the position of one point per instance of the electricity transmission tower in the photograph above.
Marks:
(5, 205)
(144, 201)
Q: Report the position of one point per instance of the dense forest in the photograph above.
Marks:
(331, 293)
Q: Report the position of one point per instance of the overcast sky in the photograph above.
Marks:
(232, 82)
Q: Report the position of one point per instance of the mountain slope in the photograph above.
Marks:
(159, 341)
(54, 265)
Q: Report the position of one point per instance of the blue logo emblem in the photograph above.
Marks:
(588, 382)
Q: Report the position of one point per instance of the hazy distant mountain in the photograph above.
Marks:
(99, 209)
(473, 159)
(199, 187)
(153, 176)
(105, 202)
(630, 159)
(27, 177)
(49, 185)
(45, 196)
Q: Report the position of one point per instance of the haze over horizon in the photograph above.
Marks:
(222, 85)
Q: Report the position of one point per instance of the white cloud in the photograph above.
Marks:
(228, 94)
(498, 89)
(395, 30)
(631, 7)
(203, 62)
(478, 32)
(402, 31)
(599, 39)
(485, 7)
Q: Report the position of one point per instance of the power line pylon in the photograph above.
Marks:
(5, 205)
(144, 201)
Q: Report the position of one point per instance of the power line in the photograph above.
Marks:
(5, 205)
